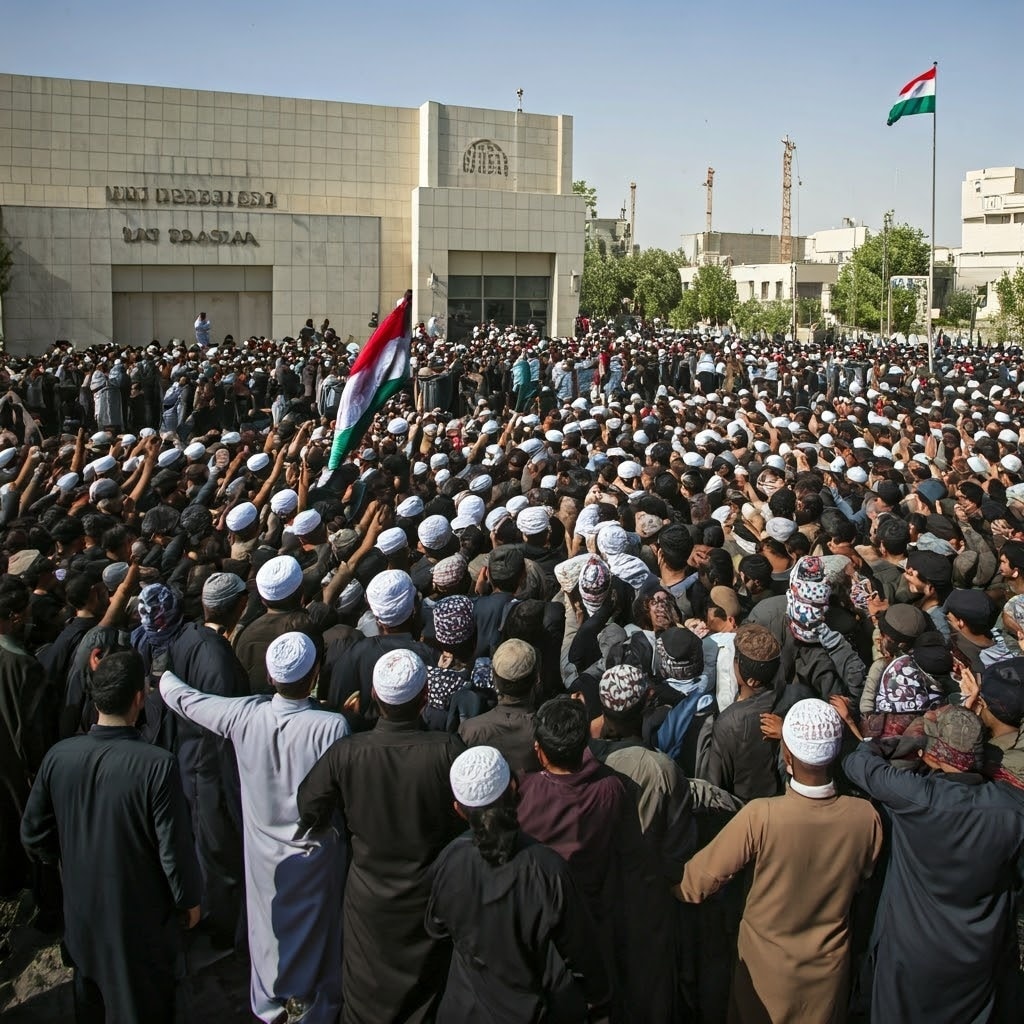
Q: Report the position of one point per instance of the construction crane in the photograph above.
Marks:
(632, 216)
(709, 185)
(786, 240)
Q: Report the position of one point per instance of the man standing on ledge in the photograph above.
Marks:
(202, 326)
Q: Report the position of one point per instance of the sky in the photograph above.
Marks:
(659, 89)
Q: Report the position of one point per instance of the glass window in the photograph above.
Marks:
(499, 310)
(464, 287)
(464, 311)
(499, 287)
(532, 311)
(532, 287)
(778, 289)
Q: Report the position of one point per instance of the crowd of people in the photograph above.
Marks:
(642, 675)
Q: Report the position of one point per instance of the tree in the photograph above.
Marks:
(775, 317)
(808, 311)
(1011, 303)
(959, 306)
(711, 296)
(581, 188)
(858, 296)
(600, 289)
(656, 286)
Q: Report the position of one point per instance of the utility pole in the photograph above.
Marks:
(786, 240)
(632, 216)
(886, 295)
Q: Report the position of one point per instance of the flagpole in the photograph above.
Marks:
(931, 246)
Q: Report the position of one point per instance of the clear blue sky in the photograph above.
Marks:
(658, 89)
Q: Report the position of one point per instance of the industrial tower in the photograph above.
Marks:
(709, 185)
(786, 240)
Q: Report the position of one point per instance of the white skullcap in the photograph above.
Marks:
(221, 586)
(285, 502)
(1010, 463)
(100, 489)
(104, 464)
(640, 437)
(101, 437)
(516, 503)
(716, 483)
(554, 436)
(442, 476)
(856, 475)
(434, 532)
(721, 514)
(612, 540)
(67, 482)
(392, 540)
(780, 528)
(826, 440)
(410, 508)
(149, 432)
(629, 469)
(532, 520)
(231, 437)
(391, 596)
(398, 426)
(978, 464)
(496, 517)
(438, 460)
(479, 776)
(549, 482)
(776, 462)
(114, 574)
(398, 676)
(472, 507)
(290, 657)
(419, 468)
(257, 462)
(305, 522)
(128, 439)
(693, 459)
(279, 578)
(195, 451)
(241, 516)
(1008, 436)
(480, 483)
(350, 596)
(7, 456)
(164, 460)
(813, 732)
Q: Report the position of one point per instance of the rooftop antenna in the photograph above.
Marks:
(519, 94)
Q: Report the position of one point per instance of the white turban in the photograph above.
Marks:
(516, 503)
(279, 578)
(479, 776)
(391, 596)
(399, 675)
(813, 732)
(533, 520)
(290, 657)
(612, 540)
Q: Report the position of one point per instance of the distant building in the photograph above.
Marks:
(610, 235)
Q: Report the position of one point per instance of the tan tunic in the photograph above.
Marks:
(809, 858)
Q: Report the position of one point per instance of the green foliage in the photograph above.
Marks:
(600, 292)
(808, 311)
(711, 296)
(1011, 303)
(648, 279)
(904, 310)
(775, 317)
(860, 281)
(589, 193)
(959, 306)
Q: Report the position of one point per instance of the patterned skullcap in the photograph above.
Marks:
(622, 687)
(159, 606)
(479, 777)
(449, 572)
(453, 620)
(813, 732)
(595, 581)
(533, 520)
(290, 657)
(568, 573)
(398, 676)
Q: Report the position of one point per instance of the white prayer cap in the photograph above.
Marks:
(587, 521)
(693, 459)
(640, 437)
(113, 575)
(479, 776)
(391, 596)
(104, 464)
(231, 437)
(285, 502)
(978, 464)
(7, 456)
(553, 436)
(290, 657)
(531, 445)
(472, 507)
(392, 540)
(222, 586)
(100, 489)
(442, 476)
(128, 439)
(350, 596)
(195, 451)
(549, 482)
(438, 460)
(611, 540)
(629, 469)
(813, 732)
(241, 516)
(279, 578)
(533, 520)
(256, 463)
(67, 482)
(776, 462)
(496, 517)
(779, 528)
(480, 483)
(164, 460)
(516, 503)
(398, 676)
(305, 522)
(398, 426)
(826, 440)
(100, 437)
(716, 483)
(721, 514)
(434, 532)
(149, 432)
(410, 508)
(419, 468)
(1008, 436)
(856, 475)
(1010, 463)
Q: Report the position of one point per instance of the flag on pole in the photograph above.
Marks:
(380, 371)
(916, 97)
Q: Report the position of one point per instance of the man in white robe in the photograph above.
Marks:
(293, 887)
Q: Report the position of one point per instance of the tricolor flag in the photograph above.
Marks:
(380, 371)
(916, 97)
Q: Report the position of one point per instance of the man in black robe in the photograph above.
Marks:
(109, 807)
(391, 784)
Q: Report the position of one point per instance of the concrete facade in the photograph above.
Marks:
(129, 208)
